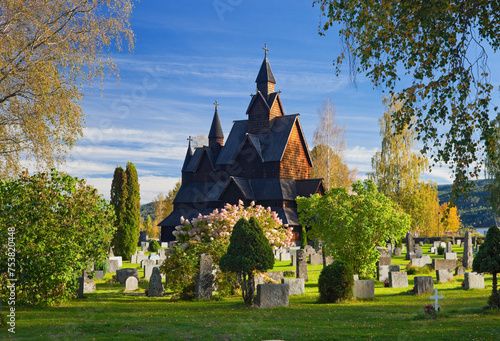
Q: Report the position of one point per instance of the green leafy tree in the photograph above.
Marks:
(441, 47)
(48, 51)
(352, 225)
(248, 251)
(58, 226)
(488, 260)
(397, 169)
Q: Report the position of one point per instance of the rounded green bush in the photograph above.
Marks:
(154, 246)
(336, 282)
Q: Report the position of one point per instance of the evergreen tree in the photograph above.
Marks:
(248, 250)
(118, 199)
(488, 260)
(132, 216)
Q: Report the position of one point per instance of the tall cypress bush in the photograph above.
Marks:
(118, 198)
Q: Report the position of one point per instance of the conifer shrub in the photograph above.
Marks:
(154, 246)
(336, 282)
(440, 250)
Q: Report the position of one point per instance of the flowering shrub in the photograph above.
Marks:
(430, 311)
(386, 283)
(210, 234)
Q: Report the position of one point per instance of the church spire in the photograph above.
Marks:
(189, 154)
(216, 136)
(265, 79)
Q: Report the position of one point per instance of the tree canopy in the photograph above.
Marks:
(352, 225)
(48, 51)
(441, 48)
(59, 226)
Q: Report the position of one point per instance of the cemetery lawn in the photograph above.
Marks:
(109, 313)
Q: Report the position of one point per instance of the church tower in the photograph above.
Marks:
(216, 136)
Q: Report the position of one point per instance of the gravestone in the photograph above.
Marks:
(294, 260)
(123, 274)
(296, 285)
(423, 284)
(204, 282)
(113, 265)
(398, 279)
(459, 271)
(145, 262)
(131, 284)
(458, 242)
(417, 262)
(421, 243)
(144, 246)
(443, 245)
(418, 251)
(316, 259)
(384, 270)
(467, 256)
(99, 274)
(275, 276)
(450, 255)
(433, 249)
(436, 297)
(397, 251)
(302, 265)
(364, 288)
(272, 295)
(161, 252)
(133, 259)
(85, 285)
(449, 248)
(444, 264)
(164, 244)
(473, 280)
(154, 257)
(384, 258)
(148, 271)
(327, 260)
(140, 253)
(444, 276)
(410, 246)
(155, 288)
(111, 252)
(119, 259)
(436, 244)
(426, 259)
(285, 256)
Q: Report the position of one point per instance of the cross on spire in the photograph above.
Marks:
(265, 49)
(190, 139)
(216, 104)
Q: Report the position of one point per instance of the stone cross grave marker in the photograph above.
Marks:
(436, 297)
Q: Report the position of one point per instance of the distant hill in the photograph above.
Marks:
(474, 210)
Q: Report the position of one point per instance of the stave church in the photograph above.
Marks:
(265, 159)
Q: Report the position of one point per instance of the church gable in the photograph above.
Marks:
(276, 107)
(296, 163)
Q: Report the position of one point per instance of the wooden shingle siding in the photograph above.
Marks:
(294, 164)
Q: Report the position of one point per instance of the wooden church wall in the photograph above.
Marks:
(294, 164)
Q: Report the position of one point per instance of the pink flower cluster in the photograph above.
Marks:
(218, 225)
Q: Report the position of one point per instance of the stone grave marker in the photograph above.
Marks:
(164, 244)
(397, 251)
(285, 256)
(444, 264)
(467, 255)
(410, 246)
(316, 259)
(459, 271)
(204, 282)
(426, 259)
(432, 249)
(444, 276)
(458, 242)
(131, 284)
(449, 247)
(421, 243)
(155, 288)
(418, 251)
(145, 262)
(443, 245)
(423, 284)
(148, 271)
(436, 299)
(154, 257)
(296, 285)
(123, 274)
(436, 244)
(473, 280)
(302, 265)
(113, 265)
(384, 271)
(364, 288)
(450, 255)
(272, 295)
(398, 279)
(119, 259)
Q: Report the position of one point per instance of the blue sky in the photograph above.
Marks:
(189, 54)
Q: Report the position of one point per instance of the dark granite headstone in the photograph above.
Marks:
(204, 282)
(155, 286)
(410, 246)
(302, 265)
(468, 256)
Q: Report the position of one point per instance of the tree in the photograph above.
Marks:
(441, 47)
(397, 169)
(248, 251)
(329, 149)
(125, 197)
(163, 206)
(48, 50)
(352, 225)
(449, 218)
(488, 260)
(118, 198)
(52, 227)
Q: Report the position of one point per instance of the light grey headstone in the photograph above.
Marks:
(120, 262)
(436, 244)
(164, 244)
(364, 288)
(444, 276)
(85, 286)
(145, 262)
(398, 279)
(272, 295)
(113, 265)
(426, 259)
(140, 253)
(148, 271)
(204, 282)
(316, 259)
(154, 257)
(302, 265)
(155, 288)
(397, 251)
(417, 262)
(460, 271)
(99, 274)
(443, 264)
(285, 256)
(382, 272)
(421, 243)
(432, 249)
(474, 280)
(133, 259)
(294, 260)
(449, 247)
(450, 255)
(123, 274)
(356, 277)
(423, 284)
(443, 245)
(458, 242)
(418, 251)
(131, 284)
(296, 285)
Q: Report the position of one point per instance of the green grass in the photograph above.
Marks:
(394, 314)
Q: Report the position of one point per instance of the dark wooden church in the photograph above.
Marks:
(265, 159)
